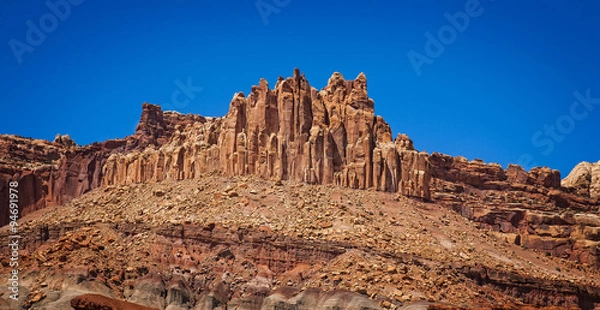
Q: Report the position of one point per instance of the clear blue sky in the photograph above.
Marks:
(496, 84)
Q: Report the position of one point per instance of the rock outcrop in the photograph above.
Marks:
(584, 179)
(296, 132)
(32, 163)
(52, 173)
(232, 223)
(530, 208)
(332, 136)
(291, 132)
(64, 140)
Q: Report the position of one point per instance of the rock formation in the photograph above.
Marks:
(584, 179)
(295, 132)
(216, 213)
(64, 140)
(530, 208)
(291, 132)
(50, 173)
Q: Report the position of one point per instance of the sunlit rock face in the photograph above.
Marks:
(292, 132)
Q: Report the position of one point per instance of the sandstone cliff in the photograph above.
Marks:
(52, 173)
(48, 173)
(584, 179)
(231, 230)
(291, 132)
(332, 136)
(531, 209)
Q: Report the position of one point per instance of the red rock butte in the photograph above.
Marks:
(192, 192)
(295, 132)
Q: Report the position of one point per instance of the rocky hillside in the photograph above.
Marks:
(249, 243)
(297, 196)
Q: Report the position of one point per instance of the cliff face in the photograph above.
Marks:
(48, 173)
(32, 163)
(530, 209)
(584, 179)
(272, 233)
(332, 136)
(52, 173)
(292, 132)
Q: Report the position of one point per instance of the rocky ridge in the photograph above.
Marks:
(53, 173)
(532, 209)
(295, 134)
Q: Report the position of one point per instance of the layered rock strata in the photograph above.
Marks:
(531, 209)
(52, 173)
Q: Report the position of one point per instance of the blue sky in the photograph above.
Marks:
(489, 94)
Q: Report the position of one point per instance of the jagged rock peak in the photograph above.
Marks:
(336, 79)
(584, 179)
(65, 140)
(404, 142)
(361, 77)
(151, 119)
